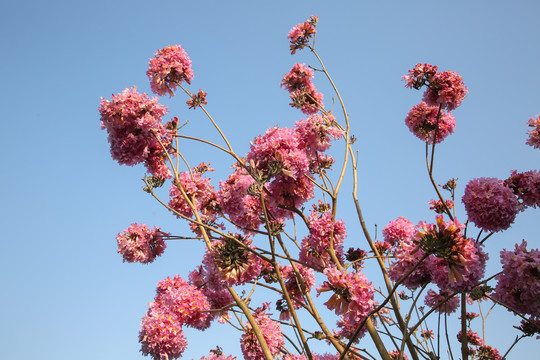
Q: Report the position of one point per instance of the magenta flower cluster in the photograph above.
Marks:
(444, 91)
(301, 33)
(303, 93)
(428, 123)
(271, 330)
(176, 303)
(133, 122)
(140, 244)
(490, 204)
(534, 133)
(518, 286)
(398, 230)
(168, 68)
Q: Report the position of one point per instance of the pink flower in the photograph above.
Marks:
(472, 338)
(314, 247)
(398, 230)
(200, 193)
(394, 355)
(407, 255)
(235, 264)
(243, 209)
(271, 330)
(435, 300)
(438, 206)
(490, 204)
(316, 131)
(277, 159)
(352, 294)
(133, 122)
(304, 95)
(140, 244)
(168, 68)
(526, 186)
(301, 33)
(422, 122)
(183, 301)
(161, 336)
(420, 75)
(445, 89)
(518, 285)
(534, 134)
(296, 290)
(217, 355)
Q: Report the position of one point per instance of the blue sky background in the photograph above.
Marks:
(66, 293)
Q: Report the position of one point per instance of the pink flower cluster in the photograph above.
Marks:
(479, 350)
(398, 230)
(490, 204)
(294, 288)
(445, 89)
(438, 206)
(434, 299)
(304, 95)
(526, 186)
(217, 355)
(453, 262)
(232, 261)
(271, 330)
(352, 297)
(316, 131)
(534, 133)
(200, 192)
(168, 68)
(322, 230)
(140, 244)
(176, 303)
(422, 122)
(518, 285)
(301, 33)
(133, 122)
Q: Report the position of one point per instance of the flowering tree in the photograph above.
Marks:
(249, 226)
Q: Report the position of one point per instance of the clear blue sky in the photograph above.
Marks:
(66, 293)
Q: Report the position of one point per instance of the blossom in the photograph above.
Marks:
(526, 186)
(182, 300)
(457, 263)
(243, 209)
(277, 159)
(352, 294)
(302, 91)
(295, 289)
(168, 68)
(271, 331)
(434, 299)
(445, 89)
(534, 134)
(422, 122)
(438, 206)
(140, 244)
(394, 355)
(407, 255)
(133, 123)
(420, 75)
(518, 286)
(315, 132)
(301, 33)
(398, 230)
(235, 263)
(161, 336)
(197, 99)
(472, 338)
(217, 355)
(200, 193)
(490, 204)
(322, 230)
